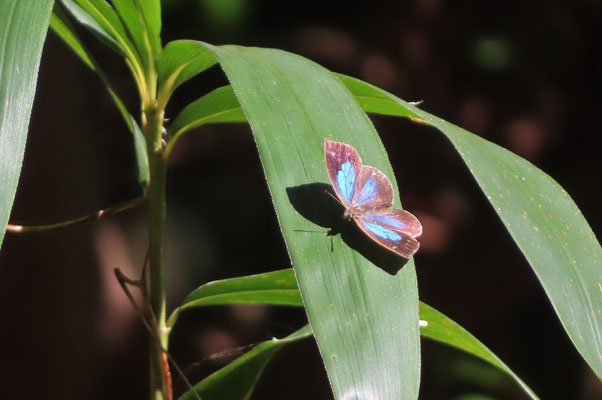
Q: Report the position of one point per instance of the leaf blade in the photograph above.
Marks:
(146, 41)
(100, 18)
(238, 379)
(364, 318)
(217, 106)
(60, 25)
(267, 288)
(23, 31)
(540, 216)
(180, 61)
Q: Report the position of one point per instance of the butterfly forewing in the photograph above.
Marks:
(343, 164)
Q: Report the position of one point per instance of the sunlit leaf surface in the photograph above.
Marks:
(361, 302)
(540, 216)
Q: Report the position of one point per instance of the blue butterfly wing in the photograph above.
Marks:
(395, 230)
(370, 192)
(373, 190)
(397, 220)
(345, 181)
(344, 165)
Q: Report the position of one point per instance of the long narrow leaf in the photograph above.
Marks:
(364, 316)
(540, 216)
(85, 19)
(276, 288)
(151, 12)
(237, 380)
(280, 288)
(443, 329)
(147, 43)
(62, 28)
(23, 27)
(103, 21)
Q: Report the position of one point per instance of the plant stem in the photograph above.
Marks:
(160, 381)
(63, 224)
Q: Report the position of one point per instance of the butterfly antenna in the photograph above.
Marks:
(333, 196)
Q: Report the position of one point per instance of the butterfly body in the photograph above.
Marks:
(366, 193)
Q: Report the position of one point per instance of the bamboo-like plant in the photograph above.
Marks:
(367, 322)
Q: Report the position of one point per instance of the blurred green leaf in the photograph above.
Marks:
(540, 216)
(24, 26)
(492, 54)
(60, 25)
(180, 61)
(365, 319)
(238, 379)
(225, 16)
(280, 288)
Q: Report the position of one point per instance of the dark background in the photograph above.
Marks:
(524, 75)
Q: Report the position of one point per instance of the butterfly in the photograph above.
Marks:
(366, 193)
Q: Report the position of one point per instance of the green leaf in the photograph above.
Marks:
(220, 105)
(23, 27)
(277, 287)
(140, 150)
(61, 26)
(148, 43)
(100, 18)
(280, 288)
(567, 268)
(443, 329)
(364, 316)
(540, 216)
(63, 29)
(151, 12)
(238, 379)
(85, 19)
(180, 61)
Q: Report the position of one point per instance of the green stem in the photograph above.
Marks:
(156, 221)
(152, 125)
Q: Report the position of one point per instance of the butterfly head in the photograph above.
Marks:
(349, 213)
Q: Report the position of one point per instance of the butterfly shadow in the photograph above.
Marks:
(313, 203)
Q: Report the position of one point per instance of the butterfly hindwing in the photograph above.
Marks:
(343, 164)
(373, 189)
(393, 230)
(397, 220)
